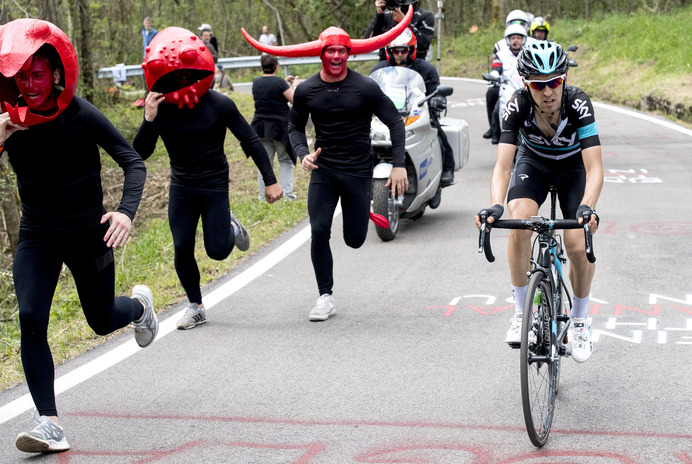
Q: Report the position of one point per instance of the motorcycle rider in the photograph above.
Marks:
(540, 28)
(390, 12)
(505, 65)
(559, 146)
(493, 92)
(402, 52)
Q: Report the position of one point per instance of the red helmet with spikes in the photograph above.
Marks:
(333, 36)
(19, 40)
(179, 65)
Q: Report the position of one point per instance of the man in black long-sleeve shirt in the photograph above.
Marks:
(58, 165)
(341, 103)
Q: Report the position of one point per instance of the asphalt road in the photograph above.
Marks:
(413, 368)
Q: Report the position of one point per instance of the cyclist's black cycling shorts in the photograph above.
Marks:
(533, 176)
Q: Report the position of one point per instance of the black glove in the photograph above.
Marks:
(585, 211)
(494, 212)
(438, 104)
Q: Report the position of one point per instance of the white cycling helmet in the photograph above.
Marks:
(518, 17)
(515, 29)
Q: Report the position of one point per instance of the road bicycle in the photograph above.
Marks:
(546, 318)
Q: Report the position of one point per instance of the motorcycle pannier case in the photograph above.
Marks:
(457, 131)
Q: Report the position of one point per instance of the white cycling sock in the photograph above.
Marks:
(579, 307)
(519, 297)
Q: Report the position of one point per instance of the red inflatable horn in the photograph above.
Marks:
(333, 36)
(379, 220)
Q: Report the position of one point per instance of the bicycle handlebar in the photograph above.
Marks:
(540, 225)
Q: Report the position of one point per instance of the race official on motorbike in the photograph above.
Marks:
(402, 52)
(505, 65)
(390, 12)
(539, 29)
(493, 92)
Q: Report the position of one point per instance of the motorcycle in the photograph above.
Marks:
(420, 113)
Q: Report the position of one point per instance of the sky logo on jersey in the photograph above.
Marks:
(580, 106)
(511, 106)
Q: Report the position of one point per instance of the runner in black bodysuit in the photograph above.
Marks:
(194, 140)
(342, 166)
(64, 222)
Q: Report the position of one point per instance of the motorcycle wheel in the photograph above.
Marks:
(384, 204)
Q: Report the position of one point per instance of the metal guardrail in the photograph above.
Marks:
(124, 71)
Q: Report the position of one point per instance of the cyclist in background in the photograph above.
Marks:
(493, 92)
(559, 146)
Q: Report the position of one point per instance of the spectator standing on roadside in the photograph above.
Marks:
(148, 33)
(267, 38)
(272, 95)
(209, 40)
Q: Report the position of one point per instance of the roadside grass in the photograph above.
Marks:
(148, 256)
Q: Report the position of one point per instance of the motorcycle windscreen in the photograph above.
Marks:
(402, 85)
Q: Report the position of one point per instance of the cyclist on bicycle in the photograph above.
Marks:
(559, 146)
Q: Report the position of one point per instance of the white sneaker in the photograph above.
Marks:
(46, 437)
(324, 307)
(194, 315)
(582, 346)
(513, 335)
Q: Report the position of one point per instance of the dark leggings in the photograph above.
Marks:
(325, 190)
(37, 266)
(185, 207)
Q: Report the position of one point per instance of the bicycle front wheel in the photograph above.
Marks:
(538, 372)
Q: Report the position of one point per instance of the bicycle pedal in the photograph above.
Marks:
(514, 346)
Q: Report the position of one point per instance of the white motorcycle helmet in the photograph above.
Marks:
(518, 17)
(515, 29)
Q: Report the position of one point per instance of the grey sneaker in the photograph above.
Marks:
(324, 307)
(46, 437)
(242, 238)
(148, 327)
(290, 197)
(194, 315)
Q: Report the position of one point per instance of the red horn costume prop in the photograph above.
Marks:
(379, 220)
(172, 51)
(19, 40)
(333, 36)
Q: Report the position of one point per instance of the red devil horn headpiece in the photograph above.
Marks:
(333, 36)
(19, 40)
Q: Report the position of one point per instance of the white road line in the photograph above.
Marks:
(127, 349)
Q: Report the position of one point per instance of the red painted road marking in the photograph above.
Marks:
(348, 423)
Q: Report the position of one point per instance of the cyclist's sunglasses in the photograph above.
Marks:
(399, 50)
(552, 83)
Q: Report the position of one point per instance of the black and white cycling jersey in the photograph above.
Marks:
(576, 128)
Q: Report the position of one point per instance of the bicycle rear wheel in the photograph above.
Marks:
(538, 376)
